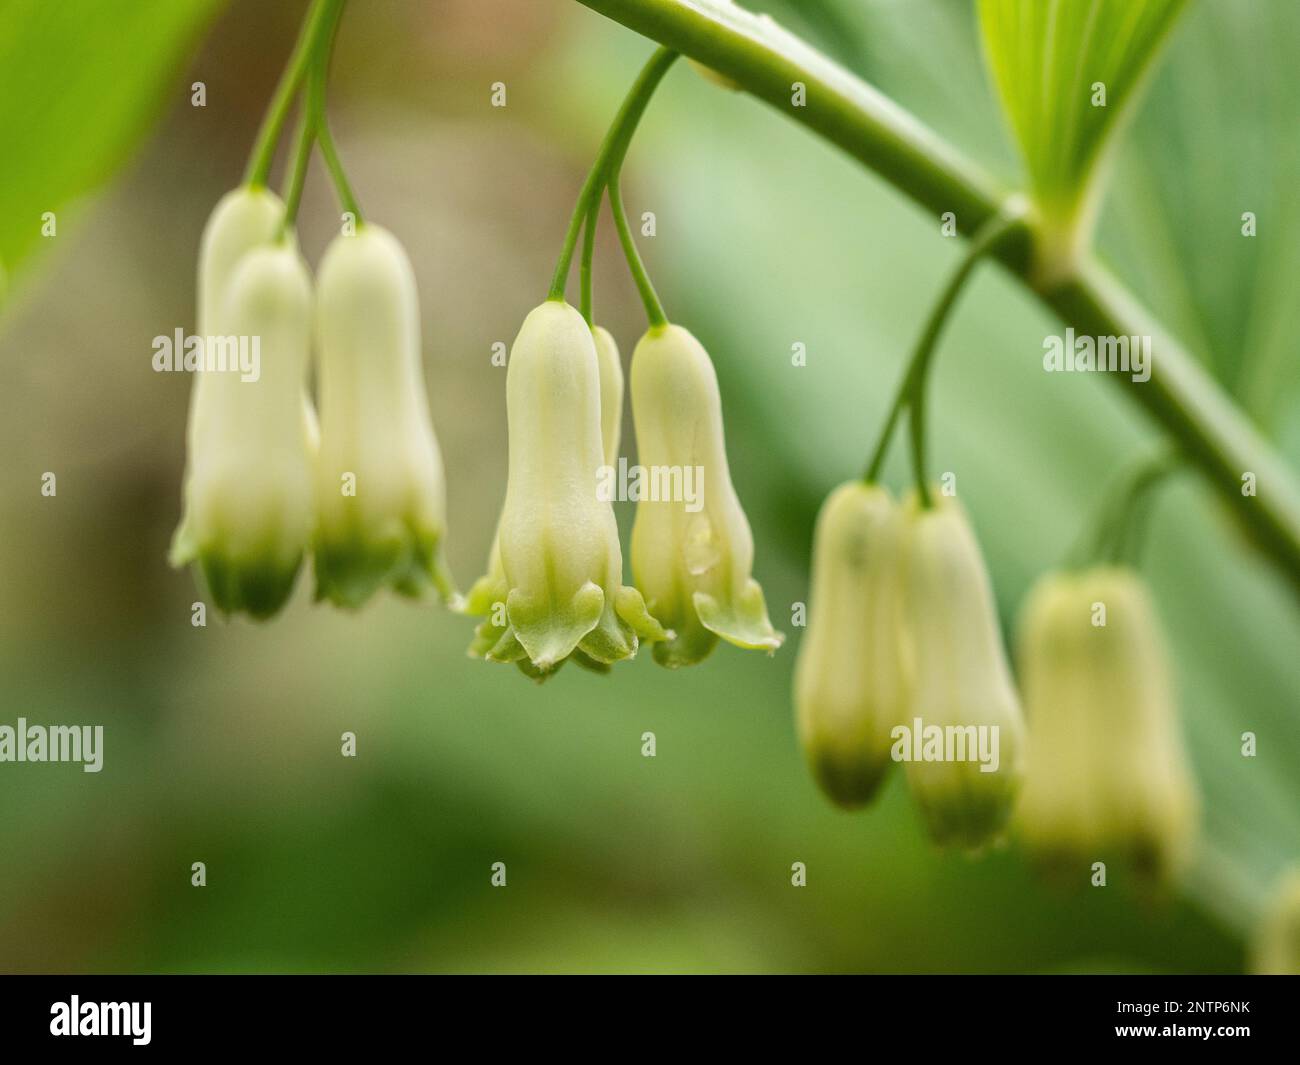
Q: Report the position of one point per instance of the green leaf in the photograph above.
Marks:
(1054, 62)
(93, 75)
(1206, 151)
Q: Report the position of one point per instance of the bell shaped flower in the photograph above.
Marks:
(381, 491)
(244, 219)
(488, 594)
(850, 675)
(557, 540)
(248, 485)
(964, 746)
(692, 550)
(1109, 779)
(1275, 950)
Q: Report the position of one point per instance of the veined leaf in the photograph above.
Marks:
(1068, 72)
(92, 74)
(1203, 219)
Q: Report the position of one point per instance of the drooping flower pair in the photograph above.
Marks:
(903, 661)
(1109, 779)
(264, 485)
(903, 637)
(554, 587)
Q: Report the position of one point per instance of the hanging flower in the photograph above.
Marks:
(1276, 948)
(488, 595)
(964, 747)
(1109, 778)
(850, 674)
(248, 492)
(692, 550)
(381, 489)
(560, 561)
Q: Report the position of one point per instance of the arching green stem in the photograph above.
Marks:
(588, 254)
(303, 141)
(1115, 535)
(654, 310)
(277, 112)
(616, 139)
(325, 23)
(316, 106)
(911, 390)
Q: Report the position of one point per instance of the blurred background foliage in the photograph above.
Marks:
(222, 743)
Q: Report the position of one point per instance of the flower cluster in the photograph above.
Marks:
(902, 657)
(903, 653)
(264, 483)
(554, 586)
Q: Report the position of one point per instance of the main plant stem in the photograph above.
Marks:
(766, 60)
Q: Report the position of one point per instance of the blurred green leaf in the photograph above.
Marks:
(93, 73)
(1205, 150)
(1045, 57)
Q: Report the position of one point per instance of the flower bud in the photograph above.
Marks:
(557, 540)
(611, 392)
(965, 749)
(1109, 779)
(248, 490)
(1276, 948)
(692, 552)
(381, 491)
(850, 676)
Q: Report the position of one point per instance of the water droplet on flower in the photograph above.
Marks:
(700, 549)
